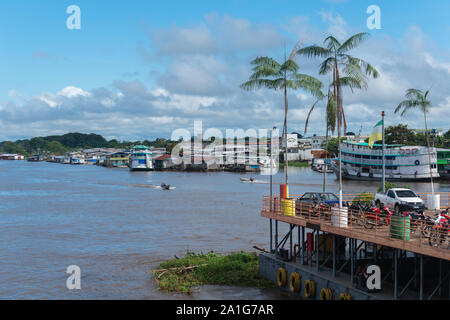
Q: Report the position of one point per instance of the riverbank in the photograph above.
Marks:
(234, 269)
(299, 164)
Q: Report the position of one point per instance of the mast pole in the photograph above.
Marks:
(383, 153)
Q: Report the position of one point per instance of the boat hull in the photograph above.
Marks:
(141, 169)
(365, 178)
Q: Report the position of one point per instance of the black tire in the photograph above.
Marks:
(368, 224)
(435, 239)
(360, 218)
(426, 230)
(378, 204)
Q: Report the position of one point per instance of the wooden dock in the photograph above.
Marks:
(320, 219)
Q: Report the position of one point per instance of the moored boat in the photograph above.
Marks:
(141, 159)
(402, 163)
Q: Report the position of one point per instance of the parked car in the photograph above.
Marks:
(400, 200)
(326, 198)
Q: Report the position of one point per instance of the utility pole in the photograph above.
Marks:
(383, 152)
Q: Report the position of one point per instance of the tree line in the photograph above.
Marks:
(60, 144)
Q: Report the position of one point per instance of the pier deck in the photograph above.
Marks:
(320, 219)
(413, 265)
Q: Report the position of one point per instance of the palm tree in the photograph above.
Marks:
(330, 126)
(271, 74)
(416, 98)
(355, 73)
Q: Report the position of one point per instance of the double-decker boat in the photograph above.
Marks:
(402, 163)
(141, 159)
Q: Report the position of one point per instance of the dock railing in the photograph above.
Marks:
(377, 226)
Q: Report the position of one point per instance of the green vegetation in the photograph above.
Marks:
(73, 141)
(234, 269)
(400, 134)
(365, 197)
(295, 164)
(389, 185)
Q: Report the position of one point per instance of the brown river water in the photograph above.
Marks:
(116, 229)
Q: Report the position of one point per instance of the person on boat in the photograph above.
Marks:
(251, 179)
(165, 186)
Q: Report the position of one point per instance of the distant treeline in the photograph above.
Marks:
(399, 134)
(73, 141)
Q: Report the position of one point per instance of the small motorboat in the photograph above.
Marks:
(251, 180)
(321, 169)
(165, 186)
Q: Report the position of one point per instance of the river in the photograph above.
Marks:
(116, 229)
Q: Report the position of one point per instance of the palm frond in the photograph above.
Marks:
(332, 43)
(294, 51)
(309, 114)
(264, 72)
(368, 69)
(289, 66)
(260, 83)
(265, 61)
(354, 72)
(414, 94)
(314, 51)
(331, 112)
(309, 84)
(326, 66)
(353, 42)
(351, 83)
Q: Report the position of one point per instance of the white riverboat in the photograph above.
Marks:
(141, 159)
(402, 163)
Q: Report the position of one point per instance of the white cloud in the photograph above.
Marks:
(201, 68)
(337, 26)
(71, 92)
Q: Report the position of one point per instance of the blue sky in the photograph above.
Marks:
(140, 69)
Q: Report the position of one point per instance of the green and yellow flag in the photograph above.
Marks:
(376, 134)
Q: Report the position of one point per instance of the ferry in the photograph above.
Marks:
(402, 163)
(141, 159)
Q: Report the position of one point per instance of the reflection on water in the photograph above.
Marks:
(108, 222)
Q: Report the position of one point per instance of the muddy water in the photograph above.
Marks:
(115, 228)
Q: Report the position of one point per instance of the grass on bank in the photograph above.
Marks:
(234, 269)
(295, 164)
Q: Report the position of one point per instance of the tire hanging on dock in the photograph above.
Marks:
(294, 282)
(281, 277)
(326, 294)
(310, 289)
(345, 296)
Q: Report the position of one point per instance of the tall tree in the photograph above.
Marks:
(330, 125)
(271, 74)
(355, 72)
(416, 98)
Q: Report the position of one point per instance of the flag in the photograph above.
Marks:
(376, 134)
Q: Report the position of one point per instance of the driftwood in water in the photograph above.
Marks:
(177, 270)
(260, 249)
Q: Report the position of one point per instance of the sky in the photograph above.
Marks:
(139, 70)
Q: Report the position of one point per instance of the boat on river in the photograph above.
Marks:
(250, 180)
(402, 163)
(141, 159)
